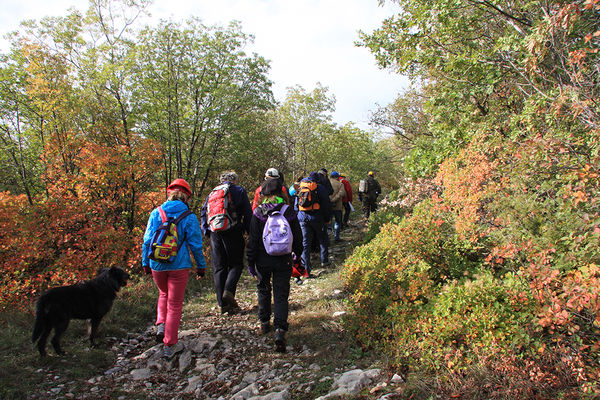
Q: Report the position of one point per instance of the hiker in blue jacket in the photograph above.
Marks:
(227, 246)
(312, 223)
(276, 268)
(171, 277)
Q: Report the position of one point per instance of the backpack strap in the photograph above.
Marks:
(163, 214)
(178, 220)
(182, 216)
(281, 210)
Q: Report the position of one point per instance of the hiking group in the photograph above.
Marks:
(283, 226)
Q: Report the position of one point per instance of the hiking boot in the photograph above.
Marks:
(280, 340)
(265, 327)
(170, 351)
(229, 299)
(226, 308)
(326, 264)
(160, 333)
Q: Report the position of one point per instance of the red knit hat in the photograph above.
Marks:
(180, 184)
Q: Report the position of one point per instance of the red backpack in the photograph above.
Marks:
(220, 209)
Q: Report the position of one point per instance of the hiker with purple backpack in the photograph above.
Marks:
(274, 234)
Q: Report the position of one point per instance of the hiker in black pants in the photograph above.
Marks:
(227, 242)
(268, 268)
(369, 197)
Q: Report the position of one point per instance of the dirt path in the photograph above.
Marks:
(226, 357)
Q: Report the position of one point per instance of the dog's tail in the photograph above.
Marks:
(40, 316)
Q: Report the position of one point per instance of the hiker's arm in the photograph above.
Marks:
(297, 232)
(325, 204)
(150, 228)
(194, 240)
(204, 219)
(252, 246)
(246, 209)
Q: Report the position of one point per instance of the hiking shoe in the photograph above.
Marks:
(160, 333)
(265, 327)
(170, 351)
(229, 303)
(280, 340)
(226, 308)
(228, 297)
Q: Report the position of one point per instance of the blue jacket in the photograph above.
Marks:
(323, 214)
(188, 230)
(242, 206)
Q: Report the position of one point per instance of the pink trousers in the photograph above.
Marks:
(171, 288)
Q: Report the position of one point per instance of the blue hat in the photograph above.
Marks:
(335, 174)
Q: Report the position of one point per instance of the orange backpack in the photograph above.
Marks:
(308, 198)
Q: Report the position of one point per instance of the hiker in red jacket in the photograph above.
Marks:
(346, 200)
(271, 173)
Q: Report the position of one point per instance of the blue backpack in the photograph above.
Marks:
(277, 233)
(165, 240)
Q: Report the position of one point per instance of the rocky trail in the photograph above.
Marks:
(226, 356)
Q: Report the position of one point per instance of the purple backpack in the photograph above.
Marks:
(277, 234)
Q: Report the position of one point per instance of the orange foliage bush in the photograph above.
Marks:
(498, 273)
(94, 217)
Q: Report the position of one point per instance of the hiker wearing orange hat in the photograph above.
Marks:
(180, 184)
(172, 231)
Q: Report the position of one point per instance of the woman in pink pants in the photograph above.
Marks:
(171, 276)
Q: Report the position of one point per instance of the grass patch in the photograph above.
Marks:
(23, 372)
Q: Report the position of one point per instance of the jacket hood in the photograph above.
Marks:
(262, 212)
(174, 206)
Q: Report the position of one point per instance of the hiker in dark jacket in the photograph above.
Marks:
(369, 198)
(324, 180)
(313, 222)
(227, 246)
(272, 272)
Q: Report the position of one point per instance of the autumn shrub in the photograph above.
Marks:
(59, 243)
(93, 216)
(492, 284)
(480, 312)
(397, 273)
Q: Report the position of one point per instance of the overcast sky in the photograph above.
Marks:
(306, 42)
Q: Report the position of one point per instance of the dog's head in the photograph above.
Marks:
(116, 276)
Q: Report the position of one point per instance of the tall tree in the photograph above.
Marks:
(195, 90)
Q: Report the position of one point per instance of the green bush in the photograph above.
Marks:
(396, 274)
(473, 314)
(390, 214)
